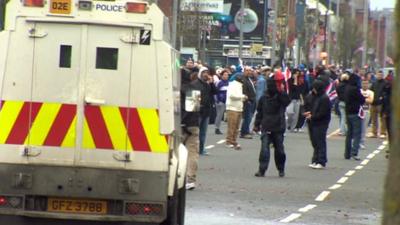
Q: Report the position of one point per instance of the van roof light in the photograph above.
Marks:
(85, 5)
(136, 7)
(33, 3)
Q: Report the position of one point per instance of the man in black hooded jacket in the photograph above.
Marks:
(270, 119)
(318, 114)
(354, 101)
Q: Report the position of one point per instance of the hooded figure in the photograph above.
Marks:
(354, 112)
(318, 114)
(205, 84)
(270, 120)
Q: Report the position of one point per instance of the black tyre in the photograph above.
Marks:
(176, 208)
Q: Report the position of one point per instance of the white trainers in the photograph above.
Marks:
(312, 165)
(318, 166)
(190, 186)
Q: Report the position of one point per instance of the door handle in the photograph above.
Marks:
(93, 101)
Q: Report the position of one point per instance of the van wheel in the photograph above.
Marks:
(176, 208)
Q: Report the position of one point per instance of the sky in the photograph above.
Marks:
(379, 4)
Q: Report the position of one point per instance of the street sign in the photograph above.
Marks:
(256, 48)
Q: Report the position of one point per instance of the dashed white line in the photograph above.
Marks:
(370, 156)
(359, 167)
(342, 180)
(382, 147)
(335, 186)
(385, 143)
(221, 142)
(377, 152)
(365, 162)
(210, 146)
(307, 208)
(350, 173)
(321, 197)
(290, 218)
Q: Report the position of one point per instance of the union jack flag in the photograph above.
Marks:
(331, 90)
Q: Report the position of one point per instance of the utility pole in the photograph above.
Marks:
(265, 23)
(286, 30)
(378, 38)
(386, 38)
(317, 34)
(274, 32)
(329, 33)
(174, 22)
(365, 33)
(241, 16)
(337, 27)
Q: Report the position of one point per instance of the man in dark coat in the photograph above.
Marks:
(190, 118)
(318, 114)
(270, 119)
(354, 101)
(376, 108)
(205, 84)
(249, 105)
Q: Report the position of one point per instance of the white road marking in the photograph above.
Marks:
(307, 208)
(321, 197)
(333, 133)
(290, 218)
(210, 146)
(335, 186)
(365, 162)
(350, 173)
(221, 142)
(385, 143)
(359, 167)
(342, 180)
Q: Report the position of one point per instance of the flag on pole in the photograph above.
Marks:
(287, 75)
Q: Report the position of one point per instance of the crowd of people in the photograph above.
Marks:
(270, 101)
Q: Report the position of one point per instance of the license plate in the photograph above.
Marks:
(60, 6)
(76, 206)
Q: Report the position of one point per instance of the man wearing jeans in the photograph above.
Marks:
(354, 112)
(205, 84)
(249, 105)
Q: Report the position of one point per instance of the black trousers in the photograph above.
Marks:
(276, 139)
(317, 135)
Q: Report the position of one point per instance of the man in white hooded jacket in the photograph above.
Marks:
(234, 109)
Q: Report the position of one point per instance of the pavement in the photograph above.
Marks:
(346, 192)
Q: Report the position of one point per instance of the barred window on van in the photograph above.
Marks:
(107, 58)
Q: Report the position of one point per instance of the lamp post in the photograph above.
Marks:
(365, 33)
(174, 22)
(274, 29)
(317, 33)
(241, 15)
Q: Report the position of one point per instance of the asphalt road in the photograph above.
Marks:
(346, 192)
